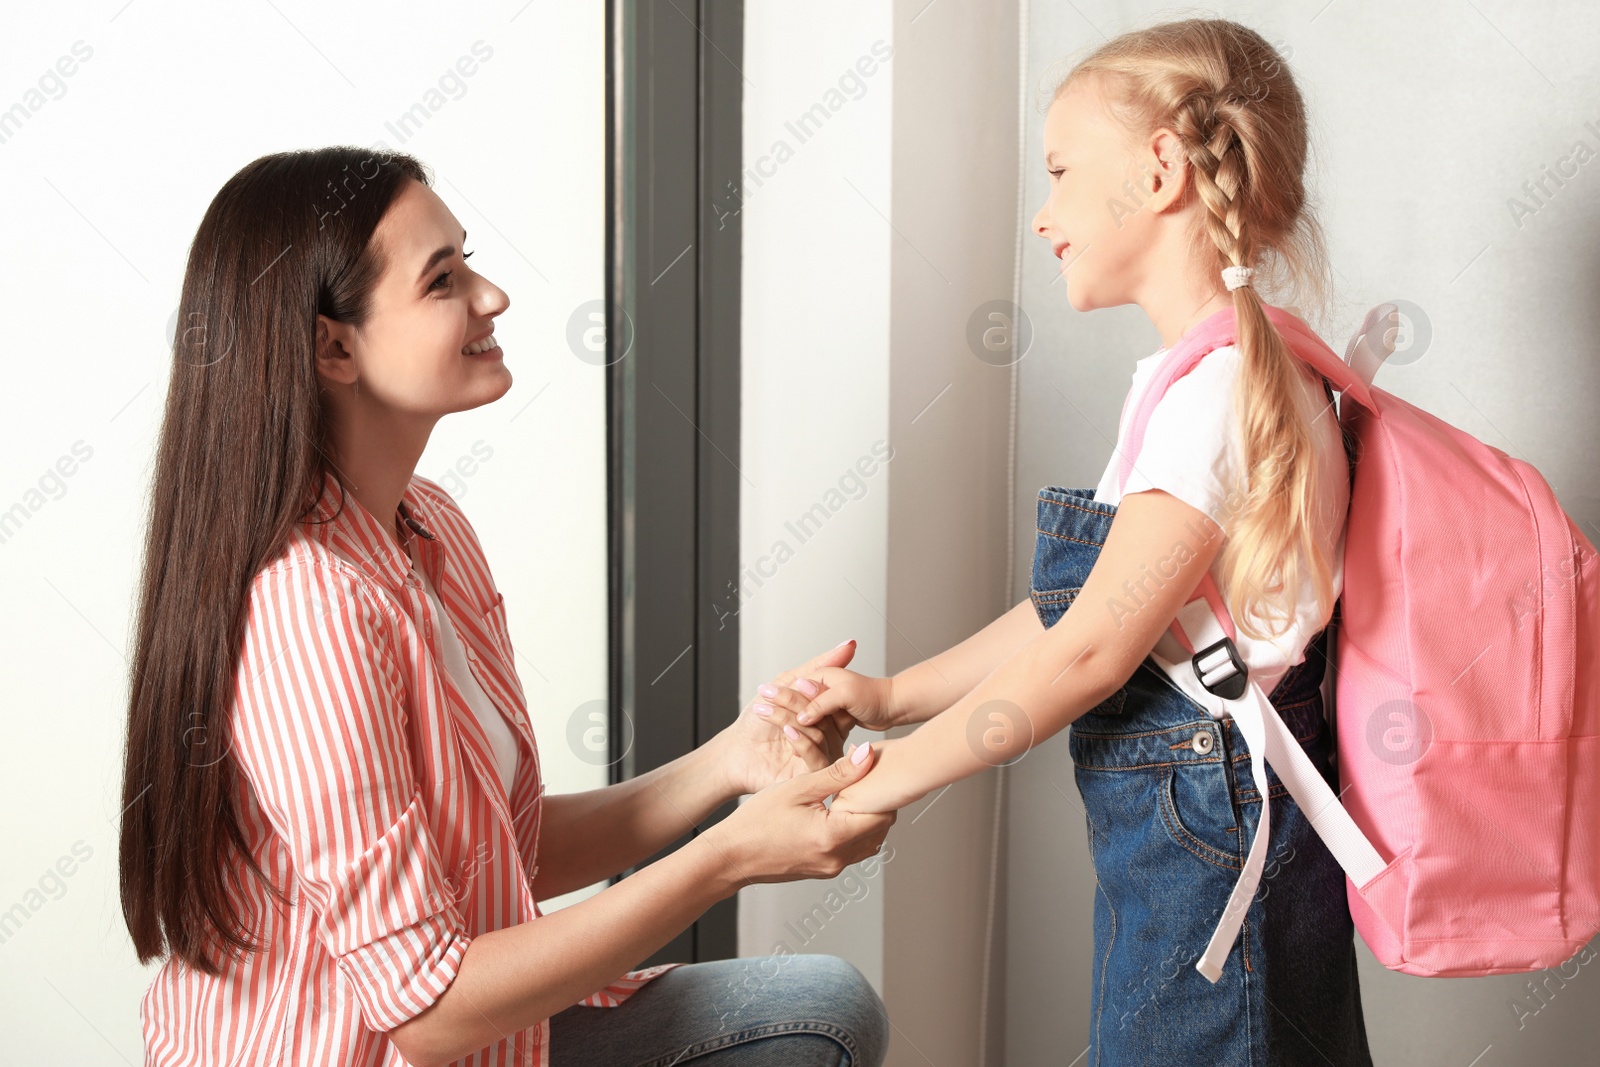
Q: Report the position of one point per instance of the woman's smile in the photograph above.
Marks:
(484, 348)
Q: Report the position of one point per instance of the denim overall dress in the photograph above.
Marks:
(1171, 810)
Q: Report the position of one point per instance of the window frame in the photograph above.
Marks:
(674, 99)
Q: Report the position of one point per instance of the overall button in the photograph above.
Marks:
(1202, 741)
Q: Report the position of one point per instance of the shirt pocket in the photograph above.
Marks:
(494, 620)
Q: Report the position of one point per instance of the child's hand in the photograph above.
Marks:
(850, 699)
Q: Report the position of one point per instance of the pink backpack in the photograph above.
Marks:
(1466, 695)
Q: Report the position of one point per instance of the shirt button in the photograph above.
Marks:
(1202, 741)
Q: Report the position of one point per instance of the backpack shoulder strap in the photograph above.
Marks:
(1270, 741)
(1204, 628)
(1221, 329)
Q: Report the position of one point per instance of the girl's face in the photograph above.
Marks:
(411, 358)
(1097, 217)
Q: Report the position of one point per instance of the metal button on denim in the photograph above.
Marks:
(1202, 741)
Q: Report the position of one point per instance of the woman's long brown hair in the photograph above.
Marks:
(240, 459)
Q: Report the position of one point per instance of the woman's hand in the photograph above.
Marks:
(787, 832)
(882, 791)
(765, 745)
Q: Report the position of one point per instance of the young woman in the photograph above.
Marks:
(1242, 475)
(334, 825)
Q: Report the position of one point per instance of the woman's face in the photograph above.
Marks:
(411, 358)
(1094, 217)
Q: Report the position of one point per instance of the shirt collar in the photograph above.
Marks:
(340, 521)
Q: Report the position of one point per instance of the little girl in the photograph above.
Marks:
(1241, 476)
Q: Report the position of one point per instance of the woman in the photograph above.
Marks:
(334, 825)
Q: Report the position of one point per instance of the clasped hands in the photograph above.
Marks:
(797, 722)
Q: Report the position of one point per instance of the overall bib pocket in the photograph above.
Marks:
(1072, 526)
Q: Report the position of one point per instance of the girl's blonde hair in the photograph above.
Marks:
(1240, 119)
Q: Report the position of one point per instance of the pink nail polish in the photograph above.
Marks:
(807, 686)
(791, 733)
(767, 690)
(860, 754)
(761, 709)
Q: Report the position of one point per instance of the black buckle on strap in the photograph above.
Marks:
(1230, 686)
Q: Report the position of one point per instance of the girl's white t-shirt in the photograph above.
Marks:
(501, 739)
(1193, 449)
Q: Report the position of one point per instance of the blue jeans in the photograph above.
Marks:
(1171, 810)
(764, 1011)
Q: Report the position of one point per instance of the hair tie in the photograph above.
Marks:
(1233, 277)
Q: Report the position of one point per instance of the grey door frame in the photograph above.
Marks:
(673, 113)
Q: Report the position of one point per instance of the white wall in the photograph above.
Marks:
(865, 257)
(105, 180)
(1428, 119)
(815, 338)
(955, 209)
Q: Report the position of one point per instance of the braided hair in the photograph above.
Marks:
(1229, 98)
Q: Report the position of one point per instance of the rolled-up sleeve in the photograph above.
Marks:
(320, 732)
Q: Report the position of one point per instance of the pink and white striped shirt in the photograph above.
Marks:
(369, 793)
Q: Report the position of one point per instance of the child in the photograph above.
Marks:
(1241, 475)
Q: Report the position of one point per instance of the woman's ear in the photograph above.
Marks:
(333, 342)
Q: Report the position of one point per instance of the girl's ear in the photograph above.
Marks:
(1166, 167)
